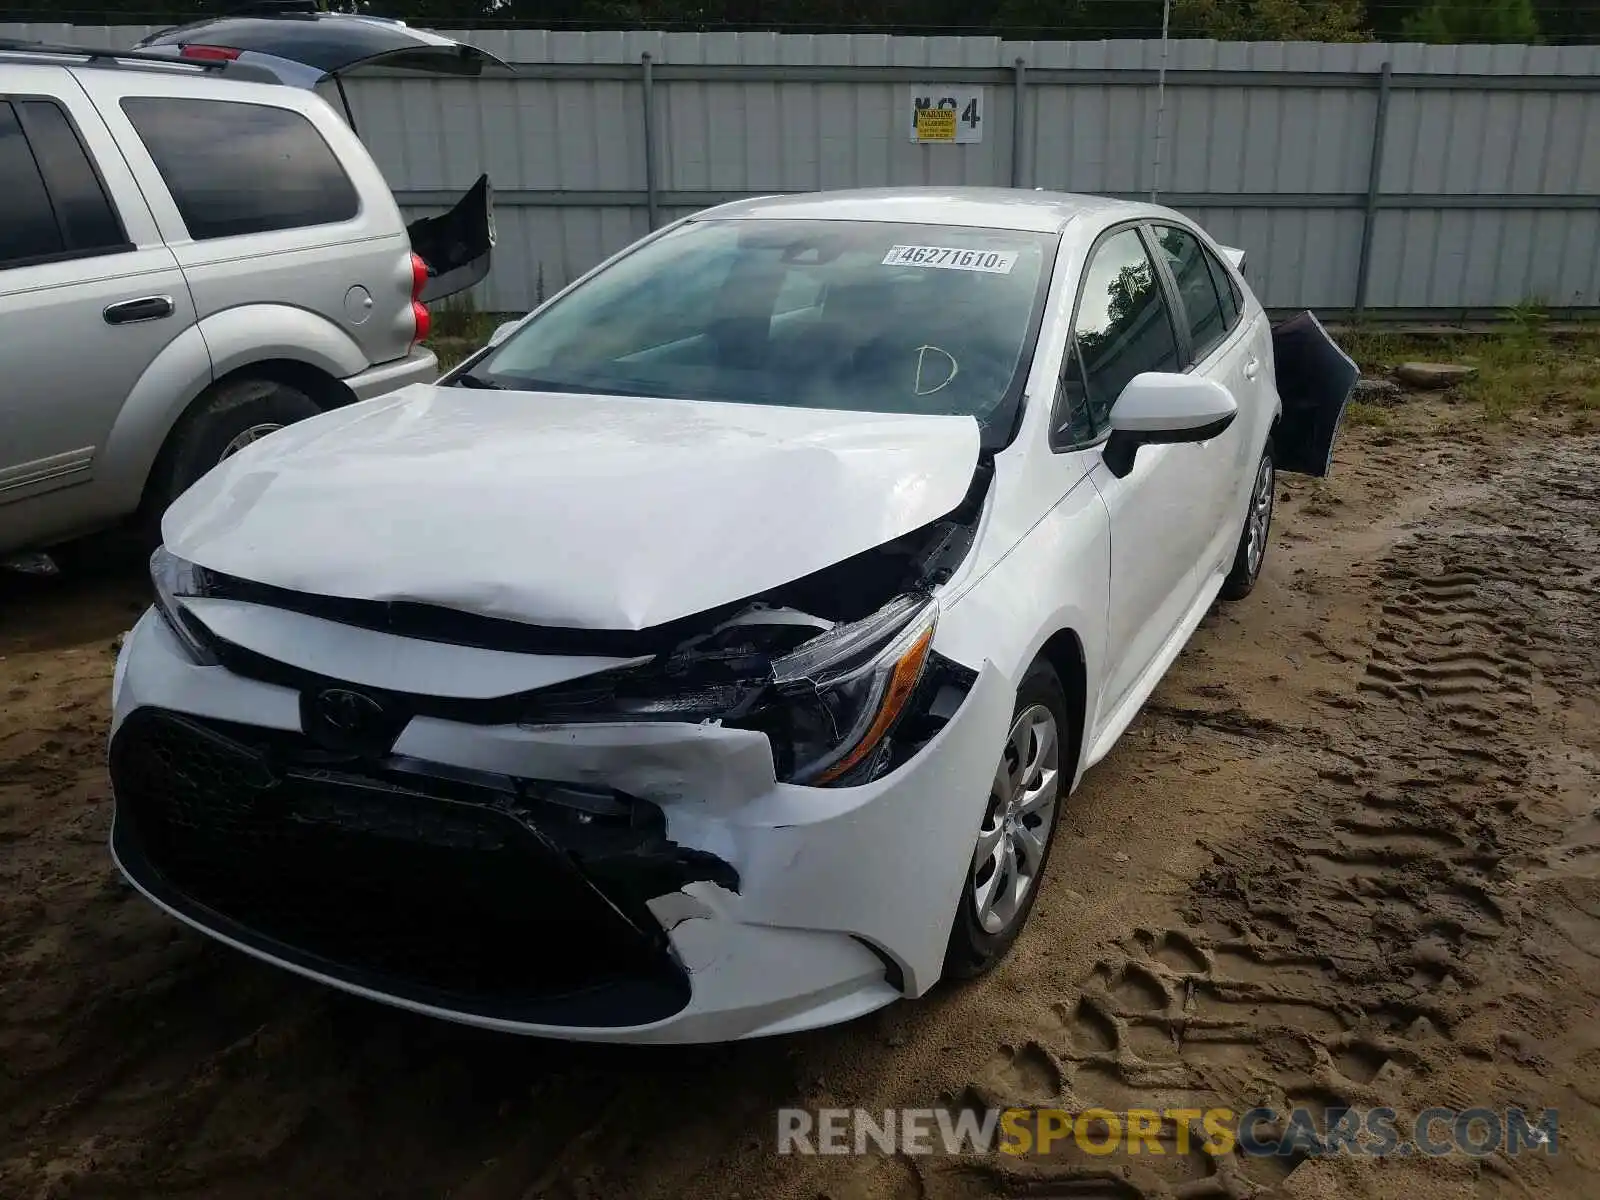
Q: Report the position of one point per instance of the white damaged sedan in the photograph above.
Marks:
(715, 653)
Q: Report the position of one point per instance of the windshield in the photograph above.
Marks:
(856, 315)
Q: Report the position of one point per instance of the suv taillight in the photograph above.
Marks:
(209, 53)
(419, 311)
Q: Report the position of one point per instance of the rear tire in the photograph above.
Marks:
(224, 419)
(1024, 810)
(1253, 538)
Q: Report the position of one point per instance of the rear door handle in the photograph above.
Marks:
(146, 308)
(1252, 368)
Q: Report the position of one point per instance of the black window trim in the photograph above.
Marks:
(355, 188)
(11, 100)
(1176, 308)
(1234, 278)
(1175, 294)
(1059, 445)
(1016, 395)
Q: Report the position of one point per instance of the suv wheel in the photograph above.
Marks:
(225, 420)
(1018, 827)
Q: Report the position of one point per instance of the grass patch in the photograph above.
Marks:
(1523, 371)
(1376, 350)
(1372, 416)
(458, 318)
(458, 328)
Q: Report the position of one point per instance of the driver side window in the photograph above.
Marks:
(1122, 328)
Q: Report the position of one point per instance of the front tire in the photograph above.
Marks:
(224, 420)
(1018, 828)
(1252, 551)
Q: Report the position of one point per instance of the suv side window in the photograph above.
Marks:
(237, 168)
(28, 227)
(52, 203)
(1186, 259)
(88, 222)
(1122, 326)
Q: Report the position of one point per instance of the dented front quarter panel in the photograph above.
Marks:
(790, 845)
(899, 841)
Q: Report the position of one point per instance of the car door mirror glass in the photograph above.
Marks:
(1158, 408)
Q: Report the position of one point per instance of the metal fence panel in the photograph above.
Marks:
(1487, 189)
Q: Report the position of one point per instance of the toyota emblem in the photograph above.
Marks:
(348, 713)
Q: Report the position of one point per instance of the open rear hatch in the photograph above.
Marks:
(304, 47)
(1315, 382)
(456, 245)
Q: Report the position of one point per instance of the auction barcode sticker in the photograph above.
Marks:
(994, 262)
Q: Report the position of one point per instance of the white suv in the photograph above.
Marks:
(188, 261)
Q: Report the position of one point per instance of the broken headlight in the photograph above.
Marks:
(843, 692)
(174, 577)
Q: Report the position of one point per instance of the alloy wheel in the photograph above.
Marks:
(1022, 812)
(253, 434)
(1259, 521)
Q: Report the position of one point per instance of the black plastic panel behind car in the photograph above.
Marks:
(1315, 382)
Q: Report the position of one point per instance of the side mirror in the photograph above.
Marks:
(1157, 409)
(502, 332)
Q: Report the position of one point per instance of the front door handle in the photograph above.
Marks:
(146, 308)
(1252, 368)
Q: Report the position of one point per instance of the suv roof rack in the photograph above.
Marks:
(99, 57)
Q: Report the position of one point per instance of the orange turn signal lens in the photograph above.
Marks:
(902, 682)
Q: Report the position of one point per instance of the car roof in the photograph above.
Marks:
(979, 207)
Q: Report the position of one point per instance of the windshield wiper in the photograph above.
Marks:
(469, 380)
(597, 388)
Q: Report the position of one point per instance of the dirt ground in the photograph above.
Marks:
(1348, 855)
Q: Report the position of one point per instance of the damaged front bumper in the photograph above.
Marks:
(643, 882)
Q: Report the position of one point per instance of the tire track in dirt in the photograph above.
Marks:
(1363, 952)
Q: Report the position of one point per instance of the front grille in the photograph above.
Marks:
(443, 890)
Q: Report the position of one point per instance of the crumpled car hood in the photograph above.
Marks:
(587, 512)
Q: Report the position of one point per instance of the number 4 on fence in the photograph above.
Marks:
(942, 113)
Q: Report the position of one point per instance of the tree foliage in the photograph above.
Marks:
(1272, 20)
(1258, 20)
(1473, 21)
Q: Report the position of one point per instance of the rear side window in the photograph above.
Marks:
(242, 168)
(52, 203)
(1186, 259)
(1227, 290)
(27, 223)
(83, 211)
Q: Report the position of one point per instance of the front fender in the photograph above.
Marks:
(1057, 577)
(251, 333)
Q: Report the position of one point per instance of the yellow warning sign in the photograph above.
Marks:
(936, 124)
